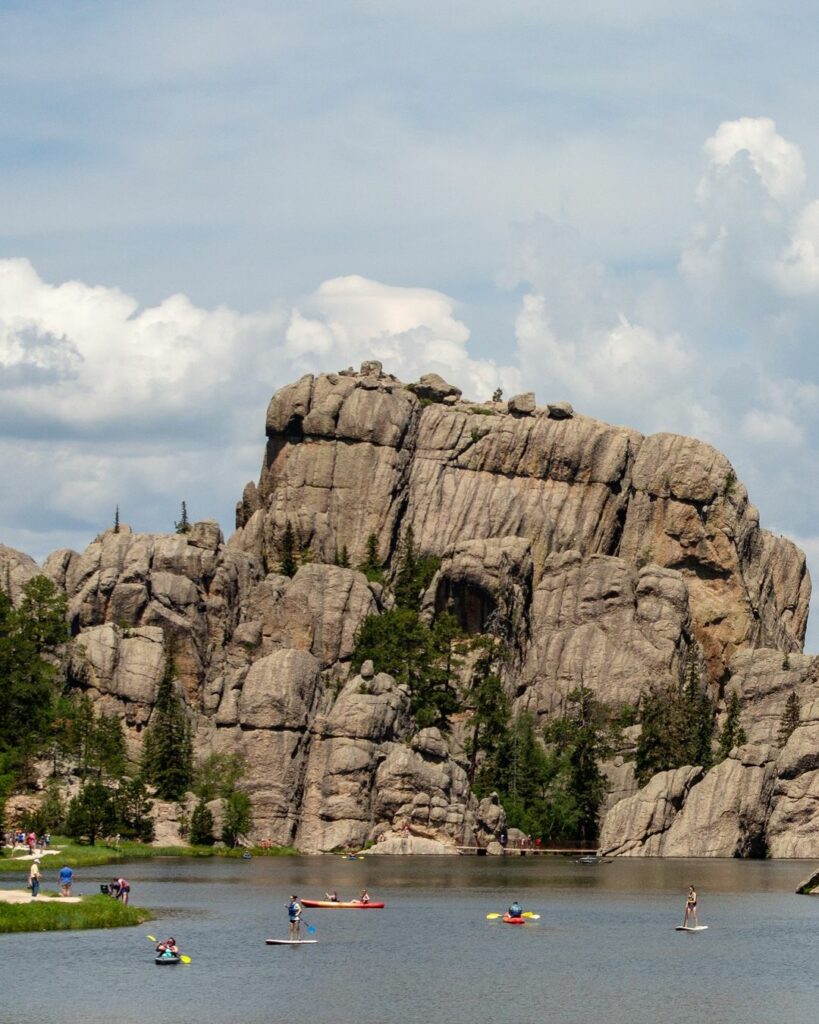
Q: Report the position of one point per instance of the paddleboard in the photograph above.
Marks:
(686, 928)
(291, 942)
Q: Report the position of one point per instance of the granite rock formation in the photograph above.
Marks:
(611, 557)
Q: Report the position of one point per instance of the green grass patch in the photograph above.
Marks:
(80, 856)
(50, 915)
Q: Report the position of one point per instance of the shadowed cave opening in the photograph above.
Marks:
(471, 604)
(294, 431)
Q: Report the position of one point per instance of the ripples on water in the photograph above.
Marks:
(604, 952)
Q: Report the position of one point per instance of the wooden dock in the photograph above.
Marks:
(531, 851)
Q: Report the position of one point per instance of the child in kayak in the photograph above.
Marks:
(167, 949)
(515, 910)
(332, 896)
(365, 896)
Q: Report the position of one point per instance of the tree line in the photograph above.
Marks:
(41, 720)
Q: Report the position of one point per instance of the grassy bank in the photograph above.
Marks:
(91, 856)
(51, 915)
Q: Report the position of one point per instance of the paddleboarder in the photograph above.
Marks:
(294, 914)
(691, 907)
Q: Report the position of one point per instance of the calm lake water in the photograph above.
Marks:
(604, 952)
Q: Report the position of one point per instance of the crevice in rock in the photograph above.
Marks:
(471, 604)
(700, 569)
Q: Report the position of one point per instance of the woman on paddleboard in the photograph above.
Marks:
(691, 906)
(294, 914)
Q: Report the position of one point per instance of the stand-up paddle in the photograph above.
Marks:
(691, 928)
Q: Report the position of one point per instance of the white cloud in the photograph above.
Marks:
(777, 162)
(766, 427)
(86, 357)
(411, 330)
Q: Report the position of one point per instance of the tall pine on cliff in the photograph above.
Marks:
(29, 637)
(401, 643)
(167, 753)
(677, 725)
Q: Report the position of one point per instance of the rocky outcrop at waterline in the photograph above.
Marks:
(610, 557)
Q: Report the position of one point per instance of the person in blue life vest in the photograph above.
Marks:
(515, 910)
(294, 914)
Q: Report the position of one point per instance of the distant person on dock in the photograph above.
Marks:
(34, 878)
(691, 907)
(294, 914)
(66, 879)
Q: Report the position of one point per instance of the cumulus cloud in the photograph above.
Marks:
(106, 403)
(411, 330)
(777, 162)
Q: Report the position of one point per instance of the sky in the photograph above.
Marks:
(614, 205)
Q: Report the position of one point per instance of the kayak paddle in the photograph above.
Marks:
(527, 914)
(185, 959)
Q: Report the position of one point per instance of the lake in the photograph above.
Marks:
(604, 951)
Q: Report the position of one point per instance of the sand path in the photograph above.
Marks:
(24, 896)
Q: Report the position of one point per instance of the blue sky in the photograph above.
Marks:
(611, 205)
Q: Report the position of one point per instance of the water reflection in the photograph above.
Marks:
(605, 948)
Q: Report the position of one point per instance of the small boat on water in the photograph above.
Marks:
(508, 919)
(591, 859)
(163, 960)
(342, 905)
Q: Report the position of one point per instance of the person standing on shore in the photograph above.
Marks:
(66, 878)
(34, 878)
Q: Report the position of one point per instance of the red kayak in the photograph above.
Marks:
(513, 920)
(341, 905)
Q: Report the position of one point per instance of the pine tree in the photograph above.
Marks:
(167, 753)
(732, 735)
(202, 825)
(790, 719)
(372, 565)
(133, 807)
(116, 520)
(288, 551)
(183, 526)
(343, 558)
(238, 817)
(91, 813)
(677, 725)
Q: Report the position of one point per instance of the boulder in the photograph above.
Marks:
(435, 389)
(522, 405)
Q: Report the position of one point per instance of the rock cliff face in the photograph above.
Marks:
(609, 554)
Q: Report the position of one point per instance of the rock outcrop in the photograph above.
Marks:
(611, 557)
